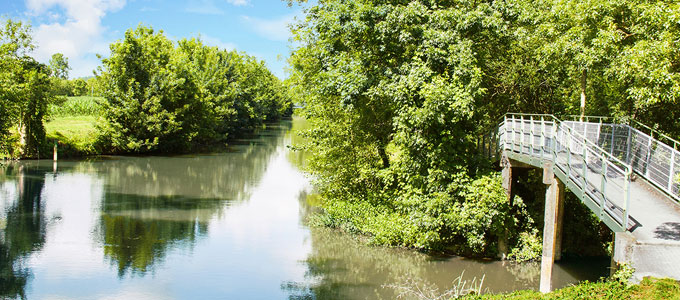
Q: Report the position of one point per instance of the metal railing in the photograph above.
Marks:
(656, 161)
(597, 176)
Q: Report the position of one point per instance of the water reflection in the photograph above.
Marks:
(342, 267)
(23, 225)
(138, 231)
(154, 204)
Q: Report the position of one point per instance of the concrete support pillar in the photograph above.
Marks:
(507, 179)
(623, 250)
(558, 227)
(554, 195)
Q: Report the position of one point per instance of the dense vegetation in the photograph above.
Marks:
(397, 92)
(24, 92)
(157, 96)
(649, 288)
(162, 97)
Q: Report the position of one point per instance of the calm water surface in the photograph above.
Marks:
(218, 226)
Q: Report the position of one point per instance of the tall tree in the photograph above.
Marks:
(24, 88)
(59, 66)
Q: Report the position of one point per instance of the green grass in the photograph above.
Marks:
(76, 135)
(649, 288)
(77, 106)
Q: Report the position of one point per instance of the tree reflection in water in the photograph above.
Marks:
(23, 224)
(155, 204)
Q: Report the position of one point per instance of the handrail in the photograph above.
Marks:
(562, 136)
(578, 135)
(658, 133)
(653, 132)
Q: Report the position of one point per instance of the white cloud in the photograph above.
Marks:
(213, 41)
(209, 7)
(78, 37)
(271, 29)
(204, 7)
(238, 2)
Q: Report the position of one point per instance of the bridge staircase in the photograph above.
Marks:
(627, 175)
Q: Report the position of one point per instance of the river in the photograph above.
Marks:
(212, 226)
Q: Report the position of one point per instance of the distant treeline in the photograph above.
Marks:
(166, 97)
(158, 95)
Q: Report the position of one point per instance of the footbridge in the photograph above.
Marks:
(627, 174)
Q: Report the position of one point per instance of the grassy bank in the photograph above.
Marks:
(77, 106)
(72, 125)
(648, 289)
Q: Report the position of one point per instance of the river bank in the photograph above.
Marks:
(648, 289)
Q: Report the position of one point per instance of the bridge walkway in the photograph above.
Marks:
(627, 177)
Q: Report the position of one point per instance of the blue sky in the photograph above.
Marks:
(80, 29)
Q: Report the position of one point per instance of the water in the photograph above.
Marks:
(218, 226)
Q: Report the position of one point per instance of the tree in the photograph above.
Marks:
(151, 103)
(390, 91)
(166, 98)
(79, 87)
(59, 66)
(24, 89)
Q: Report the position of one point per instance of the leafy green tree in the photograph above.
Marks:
(390, 90)
(151, 103)
(647, 64)
(164, 98)
(59, 66)
(79, 87)
(93, 87)
(24, 89)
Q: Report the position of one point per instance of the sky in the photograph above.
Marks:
(81, 29)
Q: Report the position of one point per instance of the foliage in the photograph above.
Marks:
(77, 106)
(24, 90)
(529, 247)
(59, 66)
(623, 274)
(160, 97)
(397, 78)
(649, 288)
(397, 92)
(79, 87)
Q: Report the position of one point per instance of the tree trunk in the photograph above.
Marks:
(583, 94)
(22, 133)
(383, 156)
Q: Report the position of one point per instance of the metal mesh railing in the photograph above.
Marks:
(597, 175)
(596, 155)
(650, 158)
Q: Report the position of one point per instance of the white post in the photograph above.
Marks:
(612, 142)
(671, 174)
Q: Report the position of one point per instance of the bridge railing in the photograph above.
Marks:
(590, 171)
(649, 157)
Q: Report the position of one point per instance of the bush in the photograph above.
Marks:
(163, 98)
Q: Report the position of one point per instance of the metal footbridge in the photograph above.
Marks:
(627, 174)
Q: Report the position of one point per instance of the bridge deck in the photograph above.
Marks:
(626, 177)
(654, 217)
(657, 216)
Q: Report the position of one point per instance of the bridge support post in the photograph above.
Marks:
(554, 196)
(623, 250)
(506, 175)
